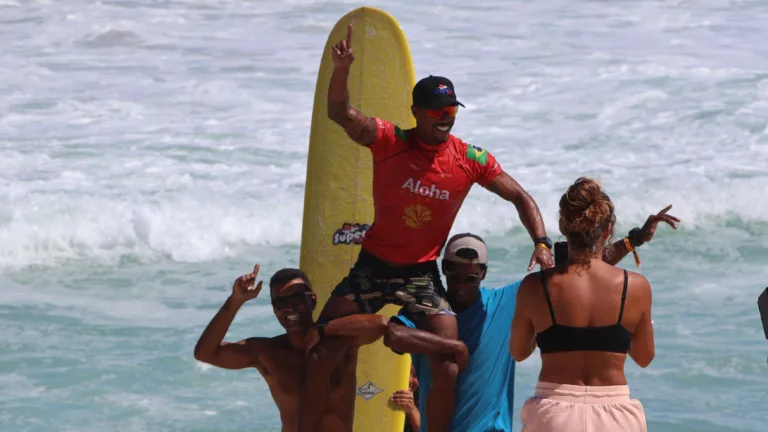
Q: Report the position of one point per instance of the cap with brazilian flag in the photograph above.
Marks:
(477, 154)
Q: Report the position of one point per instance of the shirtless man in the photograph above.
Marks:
(421, 178)
(280, 359)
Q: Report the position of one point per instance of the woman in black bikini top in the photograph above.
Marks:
(586, 316)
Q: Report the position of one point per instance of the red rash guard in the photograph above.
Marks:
(418, 191)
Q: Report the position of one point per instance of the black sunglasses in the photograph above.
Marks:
(295, 299)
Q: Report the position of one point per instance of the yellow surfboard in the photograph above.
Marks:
(338, 205)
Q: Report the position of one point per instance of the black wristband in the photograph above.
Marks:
(545, 241)
(635, 237)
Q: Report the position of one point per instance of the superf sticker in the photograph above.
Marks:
(350, 233)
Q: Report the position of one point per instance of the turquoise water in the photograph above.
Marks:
(151, 152)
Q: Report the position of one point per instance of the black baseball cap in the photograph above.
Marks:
(434, 92)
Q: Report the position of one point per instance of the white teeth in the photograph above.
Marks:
(443, 128)
(292, 317)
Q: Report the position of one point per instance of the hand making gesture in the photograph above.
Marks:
(244, 289)
(645, 234)
(341, 53)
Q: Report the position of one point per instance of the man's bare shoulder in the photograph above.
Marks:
(253, 345)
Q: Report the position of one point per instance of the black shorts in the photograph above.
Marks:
(372, 284)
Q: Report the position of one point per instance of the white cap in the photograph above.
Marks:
(466, 241)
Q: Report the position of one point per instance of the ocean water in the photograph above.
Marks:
(152, 151)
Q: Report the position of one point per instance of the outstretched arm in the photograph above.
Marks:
(507, 188)
(639, 236)
(363, 329)
(405, 339)
(366, 329)
(616, 252)
(357, 125)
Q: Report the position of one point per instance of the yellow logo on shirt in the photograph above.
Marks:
(416, 216)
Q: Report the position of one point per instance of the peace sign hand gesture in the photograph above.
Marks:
(341, 53)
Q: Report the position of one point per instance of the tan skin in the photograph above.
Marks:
(445, 353)
(279, 359)
(364, 329)
(618, 250)
(462, 292)
(583, 298)
(463, 283)
(404, 400)
(463, 287)
(362, 130)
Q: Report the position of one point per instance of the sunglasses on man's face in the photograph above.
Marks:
(450, 110)
(291, 300)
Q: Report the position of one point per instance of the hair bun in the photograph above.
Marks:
(584, 208)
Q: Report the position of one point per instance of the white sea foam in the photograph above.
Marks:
(151, 151)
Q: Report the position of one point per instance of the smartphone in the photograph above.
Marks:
(561, 254)
(762, 304)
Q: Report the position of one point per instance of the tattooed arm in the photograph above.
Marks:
(357, 125)
(614, 253)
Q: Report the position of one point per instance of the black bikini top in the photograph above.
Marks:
(559, 337)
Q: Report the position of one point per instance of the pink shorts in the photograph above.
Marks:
(572, 408)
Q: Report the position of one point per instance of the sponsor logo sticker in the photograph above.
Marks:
(368, 390)
(350, 233)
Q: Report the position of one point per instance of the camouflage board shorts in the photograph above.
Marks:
(372, 284)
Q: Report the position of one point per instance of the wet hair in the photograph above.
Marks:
(585, 213)
(283, 276)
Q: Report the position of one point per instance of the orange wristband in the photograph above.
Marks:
(629, 247)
